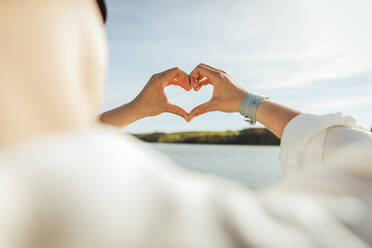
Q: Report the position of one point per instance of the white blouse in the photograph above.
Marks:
(99, 189)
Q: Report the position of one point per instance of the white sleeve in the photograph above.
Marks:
(309, 139)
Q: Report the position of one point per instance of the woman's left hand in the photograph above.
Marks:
(151, 101)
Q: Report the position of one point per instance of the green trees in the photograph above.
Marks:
(251, 136)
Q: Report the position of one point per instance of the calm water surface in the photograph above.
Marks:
(253, 166)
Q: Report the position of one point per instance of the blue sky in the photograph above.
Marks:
(315, 55)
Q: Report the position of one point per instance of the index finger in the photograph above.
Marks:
(200, 72)
(176, 76)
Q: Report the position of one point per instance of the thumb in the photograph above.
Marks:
(174, 109)
(202, 109)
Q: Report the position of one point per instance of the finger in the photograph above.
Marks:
(174, 109)
(178, 83)
(169, 71)
(193, 82)
(176, 76)
(202, 109)
(202, 83)
(201, 72)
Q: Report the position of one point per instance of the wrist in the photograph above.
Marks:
(250, 105)
(137, 110)
(239, 99)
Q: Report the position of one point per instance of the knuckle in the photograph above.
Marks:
(155, 76)
(175, 69)
(219, 74)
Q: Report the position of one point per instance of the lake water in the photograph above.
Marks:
(253, 166)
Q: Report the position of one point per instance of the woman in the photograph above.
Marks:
(68, 182)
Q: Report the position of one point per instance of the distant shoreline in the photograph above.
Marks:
(251, 136)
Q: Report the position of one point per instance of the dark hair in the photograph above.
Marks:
(102, 7)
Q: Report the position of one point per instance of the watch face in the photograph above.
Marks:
(102, 7)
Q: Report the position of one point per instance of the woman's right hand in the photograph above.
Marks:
(227, 94)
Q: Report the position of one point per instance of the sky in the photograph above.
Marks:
(315, 56)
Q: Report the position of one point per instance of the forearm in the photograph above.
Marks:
(121, 116)
(229, 97)
(275, 117)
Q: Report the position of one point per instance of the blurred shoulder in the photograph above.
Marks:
(88, 150)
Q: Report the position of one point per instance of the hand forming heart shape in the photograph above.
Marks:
(227, 95)
(188, 99)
